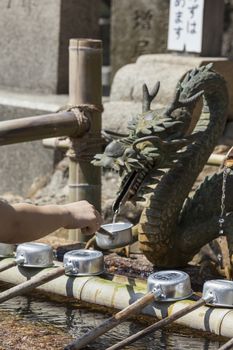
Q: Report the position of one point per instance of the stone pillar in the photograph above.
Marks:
(34, 66)
(35, 38)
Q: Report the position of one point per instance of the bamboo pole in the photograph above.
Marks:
(216, 159)
(54, 142)
(227, 346)
(85, 88)
(111, 322)
(39, 127)
(164, 322)
(31, 284)
(8, 266)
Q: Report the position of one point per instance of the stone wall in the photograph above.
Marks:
(141, 27)
(34, 44)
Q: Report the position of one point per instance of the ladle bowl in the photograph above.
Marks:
(172, 284)
(6, 250)
(222, 292)
(120, 235)
(34, 255)
(83, 262)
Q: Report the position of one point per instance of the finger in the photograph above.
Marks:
(98, 217)
(86, 231)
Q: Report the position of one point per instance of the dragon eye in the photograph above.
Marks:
(114, 149)
(148, 116)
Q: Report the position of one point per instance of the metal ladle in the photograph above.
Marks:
(7, 251)
(30, 254)
(69, 268)
(164, 285)
(215, 293)
(117, 234)
(105, 232)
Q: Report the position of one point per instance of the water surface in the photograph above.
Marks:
(77, 320)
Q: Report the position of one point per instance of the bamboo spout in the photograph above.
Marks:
(43, 126)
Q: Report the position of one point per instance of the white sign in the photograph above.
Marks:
(186, 25)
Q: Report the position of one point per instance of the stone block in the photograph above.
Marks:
(137, 27)
(35, 38)
(168, 69)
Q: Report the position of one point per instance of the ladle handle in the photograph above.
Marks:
(104, 232)
(228, 345)
(8, 266)
(111, 322)
(125, 193)
(228, 160)
(31, 284)
(154, 327)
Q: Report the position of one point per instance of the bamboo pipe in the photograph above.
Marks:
(85, 88)
(216, 159)
(112, 321)
(31, 284)
(228, 345)
(39, 127)
(164, 322)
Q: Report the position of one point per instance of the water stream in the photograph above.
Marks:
(77, 320)
(221, 220)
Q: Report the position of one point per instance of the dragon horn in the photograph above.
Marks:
(148, 97)
(191, 99)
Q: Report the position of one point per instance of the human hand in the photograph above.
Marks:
(82, 215)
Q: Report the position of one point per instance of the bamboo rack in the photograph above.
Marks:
(99, 291)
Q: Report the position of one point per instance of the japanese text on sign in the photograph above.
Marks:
(185, 25)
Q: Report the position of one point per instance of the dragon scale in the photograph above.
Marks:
(173, 227)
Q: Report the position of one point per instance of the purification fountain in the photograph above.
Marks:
(158, 161)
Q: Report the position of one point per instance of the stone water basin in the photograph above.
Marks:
(39, 322)
(32, 323)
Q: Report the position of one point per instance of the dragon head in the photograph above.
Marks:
(155, 138)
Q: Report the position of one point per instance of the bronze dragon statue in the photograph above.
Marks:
(160, 159)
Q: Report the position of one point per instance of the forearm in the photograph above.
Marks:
(26, 222)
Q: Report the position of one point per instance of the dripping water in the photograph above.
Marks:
(226, 172)
(227, 169)
(115, 213)
(115, 216)
(222, 207)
